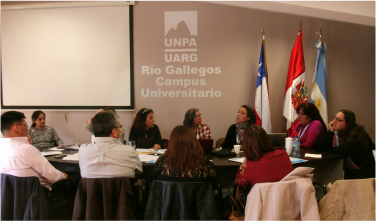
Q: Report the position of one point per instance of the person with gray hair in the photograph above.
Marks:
(106, 156)
(193, 120)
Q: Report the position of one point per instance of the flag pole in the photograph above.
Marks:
(320, 33)
(263, 42)
(300, 26)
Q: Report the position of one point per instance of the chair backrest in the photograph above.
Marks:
(284, 200)
(104, 199)
(349, 200)
(23, 198)
(181, 201)
(277, 139)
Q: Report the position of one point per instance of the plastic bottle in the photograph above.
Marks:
(296, 146)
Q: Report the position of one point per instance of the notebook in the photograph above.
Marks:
(206, 144)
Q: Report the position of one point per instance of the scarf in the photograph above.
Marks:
(240, 129)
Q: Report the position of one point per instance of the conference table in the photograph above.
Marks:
(328, 168)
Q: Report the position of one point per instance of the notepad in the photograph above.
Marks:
(144, 151)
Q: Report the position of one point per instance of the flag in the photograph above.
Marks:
(318, 92)
(295, 91)
(262, 93)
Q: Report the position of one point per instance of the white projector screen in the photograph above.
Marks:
(67, 58)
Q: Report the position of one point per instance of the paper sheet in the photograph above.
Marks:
(148, 158)
(238, 160)
(72, 157)
(312, 155)
(49, 153)
(296, 160)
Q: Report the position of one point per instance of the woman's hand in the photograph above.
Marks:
(331, 126)
(156, 147)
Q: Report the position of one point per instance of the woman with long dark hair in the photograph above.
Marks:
(351, 140)
(311, 125)
(144, 131)
(263, 162)
(246, 116)
(43, 136)
(184, 159)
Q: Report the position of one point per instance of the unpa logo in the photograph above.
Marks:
(180, 36)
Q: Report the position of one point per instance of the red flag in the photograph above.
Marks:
(295, 91)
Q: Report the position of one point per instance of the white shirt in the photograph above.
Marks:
(108, 157)
(19, 158)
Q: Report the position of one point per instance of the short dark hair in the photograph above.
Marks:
(190, 117)
(312, 112)
(256, 142)
(250, 113)
(35, 116)
(103, 123)
(10, 118)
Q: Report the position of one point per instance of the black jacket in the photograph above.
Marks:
(181, 201)
(135, 135)
(360, 156)
(230, 140)
(23, 198)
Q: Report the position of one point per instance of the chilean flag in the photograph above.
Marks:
(262, 105)
(295, 91)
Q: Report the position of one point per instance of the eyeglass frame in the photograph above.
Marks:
(198, 116)
(25, 125)
(120, 126)
(338, 119)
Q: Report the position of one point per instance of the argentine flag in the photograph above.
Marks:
(318, 92)
(262, 105)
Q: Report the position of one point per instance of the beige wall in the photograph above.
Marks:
(229, 37)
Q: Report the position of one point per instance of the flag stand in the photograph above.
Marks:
(320, 33)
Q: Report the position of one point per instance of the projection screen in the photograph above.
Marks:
(67, 56)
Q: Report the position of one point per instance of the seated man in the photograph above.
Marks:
(106, 156)
(18, 157)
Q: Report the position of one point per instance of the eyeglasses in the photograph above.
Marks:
(197, 116)
(120, 126)
(25, 125)
(338, 119)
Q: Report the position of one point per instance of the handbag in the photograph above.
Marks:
(236, 215)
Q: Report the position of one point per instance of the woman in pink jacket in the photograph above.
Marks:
(310, 127)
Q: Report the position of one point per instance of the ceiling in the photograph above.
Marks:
(357, 12)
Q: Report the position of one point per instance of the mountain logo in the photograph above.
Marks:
(180, 24)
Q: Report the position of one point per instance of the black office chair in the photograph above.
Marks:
(104, 199)
(182, 201)
(23, 198)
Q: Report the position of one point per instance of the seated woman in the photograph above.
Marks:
(234, 136)
(43, 136)
(193, 120)
(145, 132)
(263, 162)
(311, 125)
(88, 123)
(347, 138)
(184, 159)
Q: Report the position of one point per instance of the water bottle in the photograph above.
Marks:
(296, 146)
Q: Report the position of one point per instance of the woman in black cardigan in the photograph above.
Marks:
(144, 131)
(347, 138)
(234, 136)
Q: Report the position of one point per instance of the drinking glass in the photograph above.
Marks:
(132, 144)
